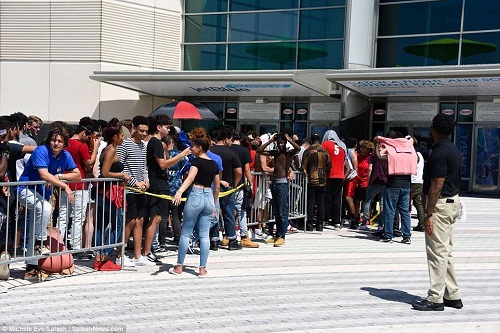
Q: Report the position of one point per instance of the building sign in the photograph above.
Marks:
(406, 112)
(426, 87)
(324, 111)
(260, 111)
(487, 111)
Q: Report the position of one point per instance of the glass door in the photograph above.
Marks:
(487, 159)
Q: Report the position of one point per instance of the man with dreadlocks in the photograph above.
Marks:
(316, 164)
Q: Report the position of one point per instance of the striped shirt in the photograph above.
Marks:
(133, 157)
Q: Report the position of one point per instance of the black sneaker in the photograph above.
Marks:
(214, 245)
(234, 245)
(453, 303)
(419, 228)
(378, 234)
(386, 239)
(425, 305)
(396, 233)
(406, 241)
(153, 258)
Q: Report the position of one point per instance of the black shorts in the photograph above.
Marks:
(136, 206)
(158, 206)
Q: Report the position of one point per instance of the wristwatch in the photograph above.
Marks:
(428, 215)
(59, 175)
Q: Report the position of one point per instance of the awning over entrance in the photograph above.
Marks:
(421, 81)
(220, 83)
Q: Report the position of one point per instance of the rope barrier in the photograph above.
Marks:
(168, 197)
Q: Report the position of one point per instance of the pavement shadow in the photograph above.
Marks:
(185, 270)
(392, 295)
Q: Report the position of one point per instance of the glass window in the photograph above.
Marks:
(231, 110)
(420, 18)
(418, 51)
(322, 24)
(379, 111)
(301, 111)
(481, 48)
(215, 107)
(448, 108)
(262, 4)
(263, 26)
(465, 112)
(204, 57)
(300, 129)
(321, 55)
(262, 56)
(286, 111)
(321, 3)
(205, 28)
(205, 6)
(481, 15)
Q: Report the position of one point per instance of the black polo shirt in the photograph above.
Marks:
(445, 161)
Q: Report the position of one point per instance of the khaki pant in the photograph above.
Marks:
(439, 247)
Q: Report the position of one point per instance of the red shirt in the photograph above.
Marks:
(363, 169)
(80, 152)
(253, 155)
(337, 156)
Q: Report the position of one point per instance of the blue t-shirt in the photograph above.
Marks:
(218, 160)
(174, 177)
(42, 158)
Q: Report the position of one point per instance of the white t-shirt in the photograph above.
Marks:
(417, 179)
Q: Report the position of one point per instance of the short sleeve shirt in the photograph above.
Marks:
(79, 152)
(174, 176)
(158, 178)
(337, 157)
(445, 161)
(42, 158)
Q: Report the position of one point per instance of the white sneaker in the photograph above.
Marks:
(141, 261)
(127, 262)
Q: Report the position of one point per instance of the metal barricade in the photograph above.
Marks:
(262, 211)
(35, 226)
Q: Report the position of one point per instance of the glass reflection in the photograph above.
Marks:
(204, 57)
(263, 26)
(481, 48)
(321, 55)
(205, 6)
(206, 28)
(262, 56)
(418, 51)
(420, 18)
(237, 5)
(322, 24)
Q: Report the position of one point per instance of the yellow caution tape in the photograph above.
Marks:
(168, 197)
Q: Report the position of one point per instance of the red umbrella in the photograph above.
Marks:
(185, 110)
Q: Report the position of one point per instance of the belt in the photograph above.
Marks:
(280, 180)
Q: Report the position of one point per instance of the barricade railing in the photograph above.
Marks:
(262, 211)
(31, 223)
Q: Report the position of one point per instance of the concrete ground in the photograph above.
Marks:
(334, 281)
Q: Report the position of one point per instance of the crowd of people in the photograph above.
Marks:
(156, 165)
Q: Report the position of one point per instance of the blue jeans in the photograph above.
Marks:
(198, 212)
(228, 204)
(214, 223)
(105, 224)
(372, 191)
(397, 198)
(242, 213)
(280, 204)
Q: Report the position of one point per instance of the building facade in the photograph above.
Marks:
(361, 67)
